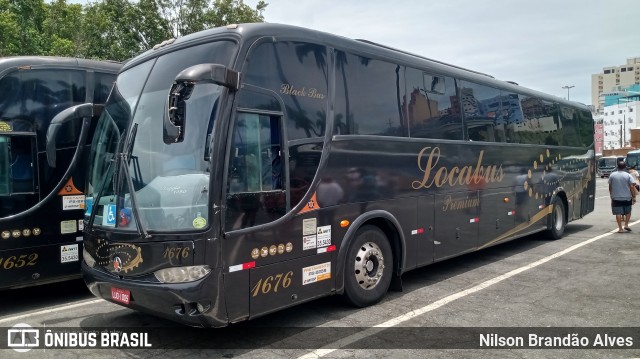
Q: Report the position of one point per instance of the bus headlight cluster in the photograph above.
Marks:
(88, 258)
(181, 274)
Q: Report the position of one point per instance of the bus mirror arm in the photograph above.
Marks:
(210, 73)
(175, 116)
(78, 111)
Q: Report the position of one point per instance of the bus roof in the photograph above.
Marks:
(251, 32)
(7, 63)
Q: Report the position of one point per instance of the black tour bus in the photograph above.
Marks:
(245, 169)
(42, 184)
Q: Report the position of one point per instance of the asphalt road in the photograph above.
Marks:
(582, 287)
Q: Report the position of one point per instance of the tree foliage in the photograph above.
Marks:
(110, 29)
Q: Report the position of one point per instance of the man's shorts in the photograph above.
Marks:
(620, 208)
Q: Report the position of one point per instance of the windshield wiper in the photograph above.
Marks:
(124, 164)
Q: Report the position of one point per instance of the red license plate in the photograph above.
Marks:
(121, 295)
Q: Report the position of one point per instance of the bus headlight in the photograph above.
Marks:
(181, 274)
(88, 258)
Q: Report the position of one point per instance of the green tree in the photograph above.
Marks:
(189, 16)
(60, 26)
(224, 12)
(29, 16)
(9, 30)
(119, 29)
(112, 30)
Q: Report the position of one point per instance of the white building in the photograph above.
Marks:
(617, 121)
(613, 77)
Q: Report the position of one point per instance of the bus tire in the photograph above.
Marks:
(369, 267)
(557, 221)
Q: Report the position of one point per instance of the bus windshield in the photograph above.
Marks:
(134, 172)
(633, 159)
(608, 162)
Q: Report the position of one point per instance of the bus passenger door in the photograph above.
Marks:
(456, 223)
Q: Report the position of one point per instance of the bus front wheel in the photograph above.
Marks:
(557, 221)
(369, 267)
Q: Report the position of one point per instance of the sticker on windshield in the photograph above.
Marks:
(109, 215)
(125, 217)
(199, 222)
(88, 205)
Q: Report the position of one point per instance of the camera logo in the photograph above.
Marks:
(22, 337)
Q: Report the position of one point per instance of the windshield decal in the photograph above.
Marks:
(199, 222)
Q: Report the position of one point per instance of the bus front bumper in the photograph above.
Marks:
(197, 303)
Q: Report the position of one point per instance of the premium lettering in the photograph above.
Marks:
(457, 204)
(438, 176)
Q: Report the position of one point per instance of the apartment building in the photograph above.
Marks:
(612, 81)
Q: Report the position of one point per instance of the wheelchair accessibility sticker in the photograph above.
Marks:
(109, 215)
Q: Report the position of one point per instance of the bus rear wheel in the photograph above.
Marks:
(557, 221)
(369, 267)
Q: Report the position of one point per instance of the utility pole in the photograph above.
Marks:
(568, 88)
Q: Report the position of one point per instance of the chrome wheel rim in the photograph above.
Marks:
(558, 218)
(369, 266)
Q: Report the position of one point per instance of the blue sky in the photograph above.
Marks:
(541, 44)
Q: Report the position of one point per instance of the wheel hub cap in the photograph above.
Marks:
(369, 265)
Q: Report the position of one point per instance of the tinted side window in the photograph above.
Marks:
(483, 115)
(257, 101)
(103, 85)
(585, 126)
(303, 164)
(31, 98)
(568, 126)
(510, 116)
(541, 122)
(432, 106)
(298, 73)
(368, 96)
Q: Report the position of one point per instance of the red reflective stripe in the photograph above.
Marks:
(248, 265)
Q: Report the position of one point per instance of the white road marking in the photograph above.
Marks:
(14, 320)
(318, 353)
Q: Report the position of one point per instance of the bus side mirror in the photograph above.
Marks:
(176, 115)
(78, 111)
